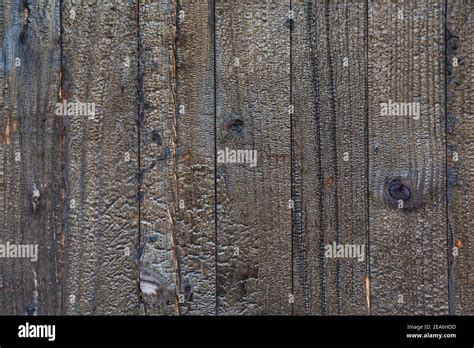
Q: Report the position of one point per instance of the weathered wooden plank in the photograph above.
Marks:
(407, 182)
(159, 266)
(100, 70)
(30, 172)
(460, 161)
(177, 156)
(254, 273)
(196, 229)
(329, 180)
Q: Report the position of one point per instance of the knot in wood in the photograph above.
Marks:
(398, 191)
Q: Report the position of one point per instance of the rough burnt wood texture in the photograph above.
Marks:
(407, 181)
(329, 176)
(31, 174)
(253, 217)
(177, 189)
(459, 46)
(224, 157)
(99, 64)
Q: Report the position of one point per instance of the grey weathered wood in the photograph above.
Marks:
(329, 123)
(460, 160)
(100, 66)
(196, 229)
(253, 217)
(158, 157)
(31, 156)
(407, 246)
(131, 208)
(177, 156)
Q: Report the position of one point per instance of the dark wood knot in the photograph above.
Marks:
(400, 193)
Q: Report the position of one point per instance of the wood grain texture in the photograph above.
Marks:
(329, 155)
(460, 160)
(100, 67)
(196, 229)
(143, 210)
(158, 140)
(177, 156)
(30, 156)
(253, 217)
(408, 260)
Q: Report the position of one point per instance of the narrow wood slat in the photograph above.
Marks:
(159, 266)
(407, 157)
(329, 156)
(100, 67)
(31, 157)
(177, 158)
(460, 160)
(253, 217)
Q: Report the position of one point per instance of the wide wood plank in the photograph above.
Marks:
(177, 158)
(407, 181)
(254, 273)
(30, 173)
(460, 160)
(329, 180)
(101, 159)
